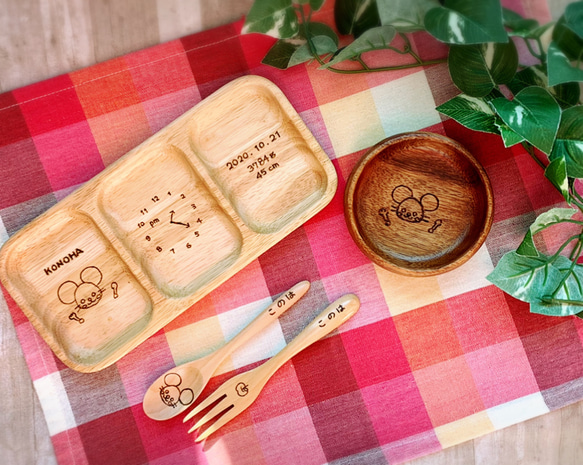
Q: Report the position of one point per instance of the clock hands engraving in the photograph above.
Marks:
(186, 225)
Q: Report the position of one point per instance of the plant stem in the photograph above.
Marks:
(565, 244)
(552, 300)
(542, 57)
(576, 194)
(386, 68)
(531, 50)
(574, 256)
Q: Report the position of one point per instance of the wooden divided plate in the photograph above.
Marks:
(125, 254)
(419, 204)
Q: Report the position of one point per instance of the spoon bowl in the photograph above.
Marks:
(176, 389)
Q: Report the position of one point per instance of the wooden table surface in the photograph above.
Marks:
(43, 38)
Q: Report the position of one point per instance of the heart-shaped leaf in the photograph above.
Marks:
(556, 172)
(354, 17)
(472, 112)
(523, 27)
(289, 52)
(527, 247)
(574, 18)
(517, 24)
(559, 67)
(567, 40)
(281, 52)
(525, 278)
(569, 143)
(549, 218)
(566, 94)
(534, 114)
(464, 22)
(477, 69)
(405, 15)
(373, 39)
(322, 45)
(276, 18)
(569, 289)
(509, 137)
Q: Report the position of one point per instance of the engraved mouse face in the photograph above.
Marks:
(411, 209)
(86, 294)
(171, 394)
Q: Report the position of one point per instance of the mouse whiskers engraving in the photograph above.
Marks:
(407, 207)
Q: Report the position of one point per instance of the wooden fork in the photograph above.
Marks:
(239, 392)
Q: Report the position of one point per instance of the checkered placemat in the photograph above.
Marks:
(425, 364)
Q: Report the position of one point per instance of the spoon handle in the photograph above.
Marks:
(334, 315)
(264, 319)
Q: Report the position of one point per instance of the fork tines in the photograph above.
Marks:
(219, 413)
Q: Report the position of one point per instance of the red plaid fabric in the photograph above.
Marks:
(425, 364)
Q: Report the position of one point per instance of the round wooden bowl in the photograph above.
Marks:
(418, 204)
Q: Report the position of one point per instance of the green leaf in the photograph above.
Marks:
(569, 143)
(549, 218)
(354, 17)
(527, 247)
(534, 114)
(570, 288)
(559, 68)
(467, 22)
(525, 278)
(475, 113)
(566, 94)
(519, 25)
(289, 52)
(509, 137)
(472, 112)
(318, 29)
(276, 18)
(405, 15)
(574, 18)
(556, 172)
(281, 52)
(567, 40)
(373, 39)
(477, 69)
(322, 44)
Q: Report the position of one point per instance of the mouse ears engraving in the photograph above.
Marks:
(171, 394)
(69, 291)
(429, 202)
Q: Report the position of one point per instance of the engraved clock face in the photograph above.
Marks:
(171, 224)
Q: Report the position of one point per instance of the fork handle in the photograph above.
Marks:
(327, 321)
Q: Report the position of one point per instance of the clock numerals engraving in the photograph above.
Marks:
(172, 216)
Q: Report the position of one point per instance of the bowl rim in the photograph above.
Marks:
(362, 244)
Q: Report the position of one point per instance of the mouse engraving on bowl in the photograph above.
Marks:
(85, 295)
(411, 209)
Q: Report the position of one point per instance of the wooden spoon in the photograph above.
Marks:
(174, 391)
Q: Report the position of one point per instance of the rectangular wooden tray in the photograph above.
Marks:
(125, 254)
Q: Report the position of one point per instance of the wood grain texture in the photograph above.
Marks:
(418, 204)
(40, 39)
(153, 233)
